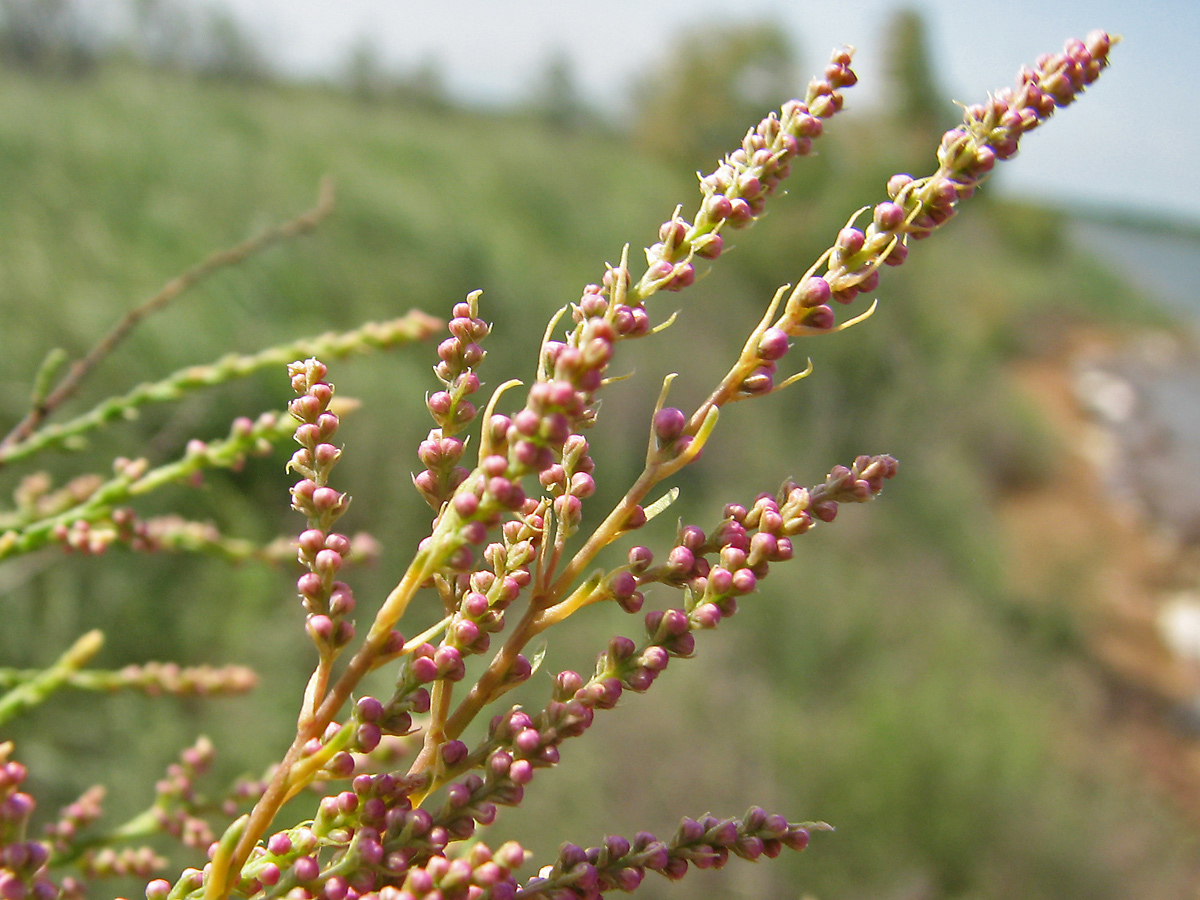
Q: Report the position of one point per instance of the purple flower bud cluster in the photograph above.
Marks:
(517, 744)
(707, 843)
(36, 498)
(156, 678)
(23, 873)
(108, 862)
(736, 193)
(317, 456)
(124, 527)
(75, 817)
(89, 538)
(24, 864)
(246, 437)
(177, 802)
(480, 505)
(244, 792)
(327, 601)
(560, 402)
(99, 527)
(1056, 80)
(375, 720)
(853, 264)
(668, 429)
(442, 473)
(991, 131)
(481, 613)
(542, 438)
(715, 569)
(369, 841)
(859, 483)
(917, 206)
(459, 356)
(479, 875)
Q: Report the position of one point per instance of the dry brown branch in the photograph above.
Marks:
(232, 256)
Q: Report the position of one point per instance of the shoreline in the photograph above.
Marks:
(1125, 547)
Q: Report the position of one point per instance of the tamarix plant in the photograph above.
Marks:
(404, 789)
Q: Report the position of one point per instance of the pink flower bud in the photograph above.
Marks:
(669, 423)
(327, 563)
(709, 246)
(320, 628)
(898, 183)
(326, 499)
(369, 709)
(309, 585)
(773, 344)
(306, 868)
(849, 241)
(453, 752)
(740, 213)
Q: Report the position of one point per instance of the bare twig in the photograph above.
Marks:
(232, 256)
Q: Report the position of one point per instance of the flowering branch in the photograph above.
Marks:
(401, 785)
(33, 690)
(413, 326)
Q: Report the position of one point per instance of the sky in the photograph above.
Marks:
(1132, 142)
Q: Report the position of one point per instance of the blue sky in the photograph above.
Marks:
(1134, 141)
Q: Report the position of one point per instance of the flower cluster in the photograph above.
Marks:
(23, 871)
(707, 843)
(403, 791)
(735, 194)
(25, 861)
(327, 601)
(95, 518)
(170, 678)
(458, 355)
(530, 553)
(990, 131)
(497, 772)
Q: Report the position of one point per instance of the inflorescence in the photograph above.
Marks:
(402, 794)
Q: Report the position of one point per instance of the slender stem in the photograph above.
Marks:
(481, 693)
(260, 820)
(607, 532)
(37, 689)
(231, 256)
(435, 732)
(142, 825)
(746, 363)
(361, 663)
(583, 595)
(414, 325)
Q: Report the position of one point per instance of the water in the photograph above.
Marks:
(1166, 265)
(1155, 455)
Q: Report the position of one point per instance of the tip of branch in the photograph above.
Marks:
(326, 195)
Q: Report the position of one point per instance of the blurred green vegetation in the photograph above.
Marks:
(889, 680)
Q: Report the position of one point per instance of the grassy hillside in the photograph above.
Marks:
(890, 681)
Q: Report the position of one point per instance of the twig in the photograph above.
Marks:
(412, 326)
(79, 370)
(34, 691)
